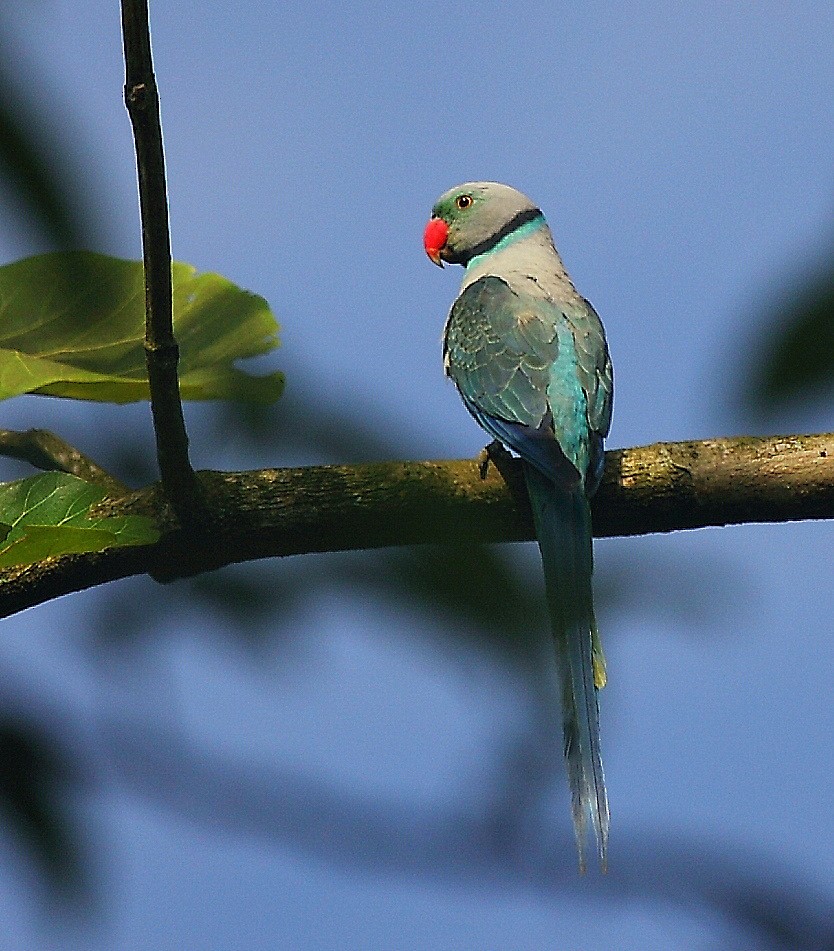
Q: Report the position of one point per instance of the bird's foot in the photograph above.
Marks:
(494, 453)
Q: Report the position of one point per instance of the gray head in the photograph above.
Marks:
(472, 218)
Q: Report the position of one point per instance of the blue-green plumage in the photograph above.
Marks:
(529, 358)
(563, 528)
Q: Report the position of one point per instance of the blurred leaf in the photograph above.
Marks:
(49, 515)
(35, 171)
(254, 604)
(243, 597)
(797, 355)
(32, 796)
(312, 425)
(774, 905)
(73, 326)
(471, 587)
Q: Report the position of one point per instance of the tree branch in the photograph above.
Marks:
(271, 512)
(161, 351)
(45, 450)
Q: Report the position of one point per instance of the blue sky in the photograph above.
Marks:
(682, 154)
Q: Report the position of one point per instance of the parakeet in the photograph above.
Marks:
(530, 360)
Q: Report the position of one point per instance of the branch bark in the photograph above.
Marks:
(44, 450)
(272, 512)
(161, 351)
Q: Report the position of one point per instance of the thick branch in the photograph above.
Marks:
(659, 488)
(161, 351)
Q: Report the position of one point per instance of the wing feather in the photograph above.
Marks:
(531, 370)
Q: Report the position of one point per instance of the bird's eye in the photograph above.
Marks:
(463, 201)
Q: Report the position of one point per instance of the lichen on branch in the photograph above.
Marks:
(276, 512)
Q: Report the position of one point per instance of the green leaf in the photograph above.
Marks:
(49, 515)
(72, 324)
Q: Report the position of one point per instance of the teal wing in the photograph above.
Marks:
(532, 372)
(499, 352)
(593, 364)
(580, 390)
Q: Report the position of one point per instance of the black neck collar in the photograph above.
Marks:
(516, 222)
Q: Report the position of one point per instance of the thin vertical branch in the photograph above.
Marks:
(161, 351)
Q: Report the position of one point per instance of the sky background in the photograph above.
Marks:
(382, 785)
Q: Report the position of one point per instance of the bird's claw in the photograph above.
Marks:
(491, 453)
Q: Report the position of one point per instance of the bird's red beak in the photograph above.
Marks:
(434, 239)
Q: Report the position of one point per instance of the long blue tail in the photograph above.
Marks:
(563, 527)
